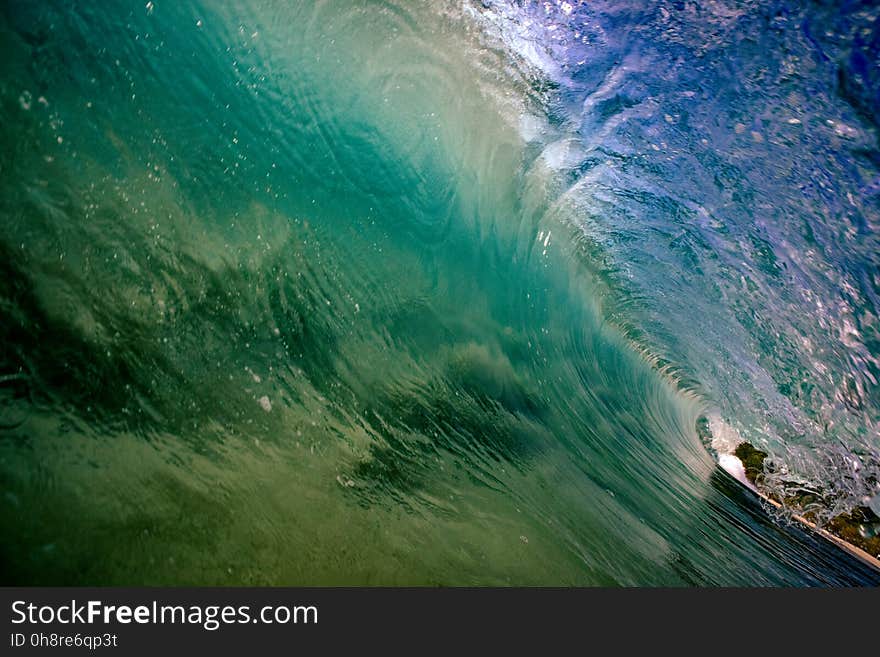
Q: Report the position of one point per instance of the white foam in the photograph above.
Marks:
(734, 467)
(531, 127)
(562, 154)
(725, 438)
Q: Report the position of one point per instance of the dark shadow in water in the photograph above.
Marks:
(480, 425)
(53, 362)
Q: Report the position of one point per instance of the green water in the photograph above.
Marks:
(285, 301)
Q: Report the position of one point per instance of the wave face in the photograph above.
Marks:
(400, 294)
(723, 163)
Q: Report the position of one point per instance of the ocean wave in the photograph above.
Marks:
(377, 293)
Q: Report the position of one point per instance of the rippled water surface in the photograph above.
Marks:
(433, 293)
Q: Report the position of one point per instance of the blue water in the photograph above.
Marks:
(724, 161)
(392, 293)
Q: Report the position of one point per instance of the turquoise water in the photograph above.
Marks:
(355, 293)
